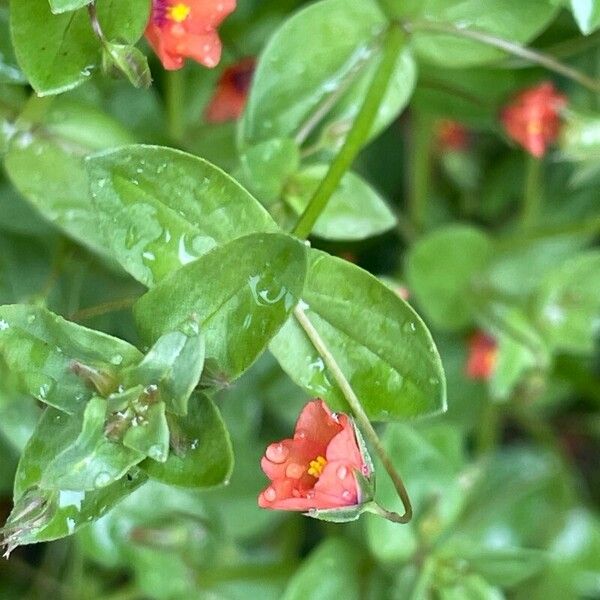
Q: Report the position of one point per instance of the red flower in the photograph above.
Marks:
(178, 30)
(229, 100)
(483, 352)
(532, 118)
(452, 135)
(315, 469)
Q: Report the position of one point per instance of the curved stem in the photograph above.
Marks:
(102, 309)
(533, 56)
(358, 134)
(359, 414)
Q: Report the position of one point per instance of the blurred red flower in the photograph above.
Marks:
(315, 469)
(229, 99)
(483, 352)
(532, 119)
(187, 29)
(452, 135)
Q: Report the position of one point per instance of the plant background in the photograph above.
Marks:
(505, 484)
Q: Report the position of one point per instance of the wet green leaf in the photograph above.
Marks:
(441, 269)
(355, 211)
(381, 345)
(174, 364)
(150, 435)
(296, 79)
(240, 294)
(45, 353)
(54, 433)
(201, 455)
(59, 52)
(45, 165)
(92, 461)
(161, 208)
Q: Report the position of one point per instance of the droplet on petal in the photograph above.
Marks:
(300, 434)
(342, 472)
(294, 471)
(277, 453)
(346, 495)
(270, 494)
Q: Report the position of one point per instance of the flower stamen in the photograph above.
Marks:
(178, 12)
(316, 466)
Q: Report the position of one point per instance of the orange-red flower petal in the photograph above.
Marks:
(316, 469)
(180, 29)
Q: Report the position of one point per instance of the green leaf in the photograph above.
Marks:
(151, 437)
(240, 294)
(430, 461)
(441, 269)
(567, 306)
(504, 567)
(201, 454)
(9, 71)
(59, 52)
(587, 14)
(296, 81)
(381, 345)
(60, 6)
(161, 208)
(268, 165)
(174, 364)
(330, 572)
(44, 352)
(71, 510)
(128, 61)
(471, 586)
(92, 461)
(45, 165)
(512, 20)
(354, 212)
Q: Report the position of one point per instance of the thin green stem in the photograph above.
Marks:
(175, 103)
(532, 193)
(357, 136)
(102, 309)
(420, 169)
(532, 56)
(359, 414)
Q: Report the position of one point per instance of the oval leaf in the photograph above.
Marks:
(201, 454)
(354, 212)
(44, 352)
(59, 52)
(161, 208)
(321, 61)
(380, 343)
(240, 294)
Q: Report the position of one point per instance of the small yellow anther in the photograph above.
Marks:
(178, 12)
(316, 466)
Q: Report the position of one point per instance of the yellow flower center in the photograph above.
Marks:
(315, 467)
(178, 12)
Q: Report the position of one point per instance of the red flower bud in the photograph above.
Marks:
(229, 99)
(483, 352)
(532, 118)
